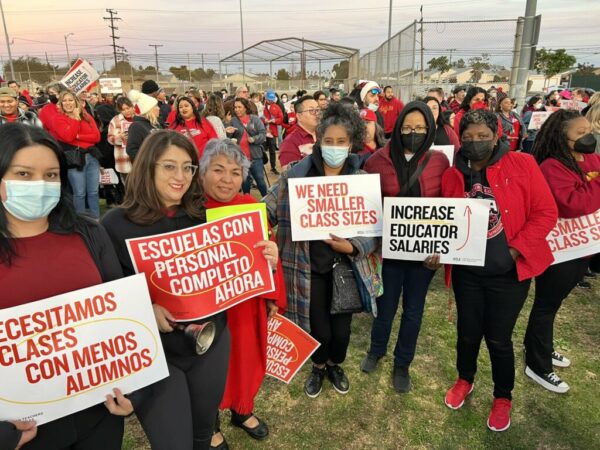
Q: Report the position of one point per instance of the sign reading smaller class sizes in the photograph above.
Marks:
(575, 238)
(345, 205)
(288, 348)
(200, 271)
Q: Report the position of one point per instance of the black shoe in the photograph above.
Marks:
(275, 171)
(222, 446)
(338, 378)
(369, 364)
(259, 432)
(401, 379)
(589, 274)
(584, 284)
(314, 383)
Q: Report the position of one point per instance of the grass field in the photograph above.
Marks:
(373, 415)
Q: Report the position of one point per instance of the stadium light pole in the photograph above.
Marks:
(10, 60)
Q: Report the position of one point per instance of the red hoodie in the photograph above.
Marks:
(390, 110)
(273, 112)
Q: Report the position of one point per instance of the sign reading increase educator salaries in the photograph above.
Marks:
(288, 348)
(80, 76)
(347, 206)
(66, 353)
(575, 238)
(203, 270)
(456, 229)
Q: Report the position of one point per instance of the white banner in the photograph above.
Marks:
(454, 228)
(66, 353)
(575, 238)
(447, 150)
(80, 76)
(110, 85)
(346, 206)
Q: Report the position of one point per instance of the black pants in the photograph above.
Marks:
(271, 146)
(331, 330)
(488, 307)
(551, 288)
(179, 412)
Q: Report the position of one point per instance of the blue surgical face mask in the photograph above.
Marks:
(31, 200)
(334, 156)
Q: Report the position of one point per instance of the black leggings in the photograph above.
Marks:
(272, 148)
(488, 307)
(331, 330)
(179, 412)
(551, 288)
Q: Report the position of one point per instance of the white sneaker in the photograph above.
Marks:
(550, 381)
(559, 360)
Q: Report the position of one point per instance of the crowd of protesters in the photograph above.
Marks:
(175, 157)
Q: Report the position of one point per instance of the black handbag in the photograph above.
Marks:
(346, 296)
(74, 156)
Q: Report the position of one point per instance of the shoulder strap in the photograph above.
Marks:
(417, 173)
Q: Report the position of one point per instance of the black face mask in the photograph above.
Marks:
(413, 141)
(585, 144)
(477, 150)
(53, 98)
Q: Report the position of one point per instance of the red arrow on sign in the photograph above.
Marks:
(467, 213)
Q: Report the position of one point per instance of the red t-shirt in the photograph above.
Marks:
(46, 265)
(200, 134)
(244, 145)
(10, 118)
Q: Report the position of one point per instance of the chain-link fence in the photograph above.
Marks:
(443, 54)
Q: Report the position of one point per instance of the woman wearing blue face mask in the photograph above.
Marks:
(46, 249)
(308, 266)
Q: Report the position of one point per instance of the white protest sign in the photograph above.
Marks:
(80, 76)
(456, 229)
(572, 104)
(447, 150)
(537, 119)
(66, 353)
(108, 176)
(110, 85)
(575, 238)
(345, 205)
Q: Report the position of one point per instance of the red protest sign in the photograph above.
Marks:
(203, 270)
(288, 348)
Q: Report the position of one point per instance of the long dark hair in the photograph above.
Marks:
(214, 107)
(551, 140)
(142, 202)
(179, 120)
(14, 137)
(472, 92)
(246, 103)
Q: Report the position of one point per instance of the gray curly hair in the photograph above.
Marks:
(227, 148)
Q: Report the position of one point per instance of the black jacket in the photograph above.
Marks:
(62, 433)
(138, 131)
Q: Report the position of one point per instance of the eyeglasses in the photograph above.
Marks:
(189, 170)
(375, 91)
(418, 129)
(312, 111)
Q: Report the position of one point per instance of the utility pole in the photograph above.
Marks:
(451, 50)
(67, 47)
(113, 17)
(422, 73)
(388, 42)
(243, 57)
(527, 51)
(28, 73)
(155, 56)
(10, 60)
(189, 68)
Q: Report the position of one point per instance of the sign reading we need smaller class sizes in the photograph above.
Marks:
(345, 205)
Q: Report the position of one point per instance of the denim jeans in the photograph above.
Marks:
(257, 171)
(84, 184)
(414, 279)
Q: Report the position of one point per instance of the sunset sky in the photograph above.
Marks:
(213, 27)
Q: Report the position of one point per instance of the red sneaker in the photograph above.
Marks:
(499, 419)
(456, 395)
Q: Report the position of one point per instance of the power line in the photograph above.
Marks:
(156, 56)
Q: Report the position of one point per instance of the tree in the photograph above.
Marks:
(201, 74)
(341, 70)
(478, 64)
(460, 64)
(585, 69)
(181, 73)
(123, 68)
(283, 74)
(553, 62)
(40, 72)
(440, 63)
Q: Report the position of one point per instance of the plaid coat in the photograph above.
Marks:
(295, 256)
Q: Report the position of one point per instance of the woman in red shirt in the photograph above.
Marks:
(38, 225)
(76, 130)
(189, 123)
(512, 124)
(565, 148)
